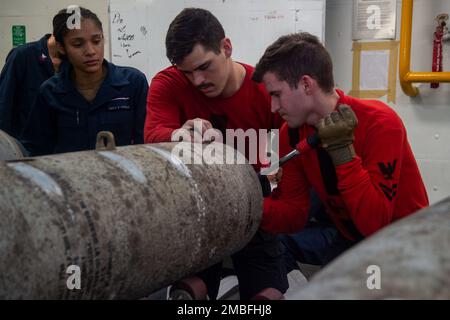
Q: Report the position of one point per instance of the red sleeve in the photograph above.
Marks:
(162, 112)
(286, 211)
(369, 188)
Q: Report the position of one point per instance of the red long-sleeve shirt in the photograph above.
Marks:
(381, 185)
(172, 100)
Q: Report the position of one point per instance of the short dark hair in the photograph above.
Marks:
(295, 55)
(190, 27)
(60, 28)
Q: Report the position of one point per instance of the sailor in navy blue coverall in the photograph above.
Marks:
(25, 69)
(87, 96)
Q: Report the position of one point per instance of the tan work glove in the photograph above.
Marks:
(336, 134)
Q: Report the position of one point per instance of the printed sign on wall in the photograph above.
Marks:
(18, 35)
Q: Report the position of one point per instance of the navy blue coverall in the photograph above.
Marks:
(25, 69)
(62, 120)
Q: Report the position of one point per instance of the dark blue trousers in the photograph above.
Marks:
(318, 243)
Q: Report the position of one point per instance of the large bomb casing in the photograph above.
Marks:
(133, 220)
(9, 148)
(409, 259)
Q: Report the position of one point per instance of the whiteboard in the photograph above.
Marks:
(138, 28)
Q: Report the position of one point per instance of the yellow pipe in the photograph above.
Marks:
(405, 49)
(428, 77)
(406, 76)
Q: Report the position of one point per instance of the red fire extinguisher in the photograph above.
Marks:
(441, 30)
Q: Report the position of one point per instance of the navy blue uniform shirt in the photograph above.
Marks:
(62, 120)
(25, 69)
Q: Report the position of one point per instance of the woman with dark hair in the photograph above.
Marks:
(88, 96)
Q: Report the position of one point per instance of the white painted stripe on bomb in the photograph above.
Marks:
(38, 177)
(126, 165)
(174, 160)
